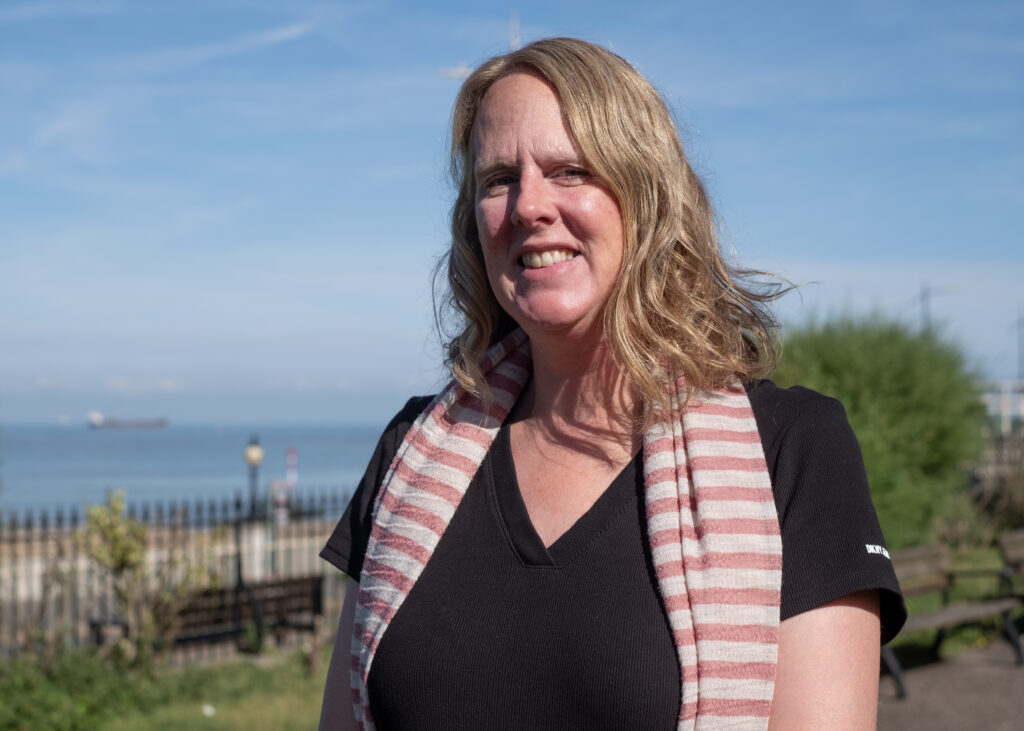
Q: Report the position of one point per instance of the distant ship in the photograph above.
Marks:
(96, 420)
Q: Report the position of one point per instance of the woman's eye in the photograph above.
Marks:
(574, 174)
(499, 181)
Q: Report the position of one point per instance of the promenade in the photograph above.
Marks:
(980, 690)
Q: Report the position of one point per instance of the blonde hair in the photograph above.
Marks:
(678, 308)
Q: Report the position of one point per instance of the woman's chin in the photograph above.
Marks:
(563, 323)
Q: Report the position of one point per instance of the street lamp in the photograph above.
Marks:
(253, 458)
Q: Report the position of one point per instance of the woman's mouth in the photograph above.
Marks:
(541, 259)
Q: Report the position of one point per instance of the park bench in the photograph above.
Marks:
(249, 611)
(246, 612)
(925, 570)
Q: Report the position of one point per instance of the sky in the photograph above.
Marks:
(228, 211)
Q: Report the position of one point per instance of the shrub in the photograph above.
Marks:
(147, 594)
(915, 408)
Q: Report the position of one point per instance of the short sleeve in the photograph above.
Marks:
(347, 545)
(832, 544)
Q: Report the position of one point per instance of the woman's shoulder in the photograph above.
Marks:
(809, 446)
(399, 426)
(347, 544)
(401, 421)
(797, 415)
(781, 405)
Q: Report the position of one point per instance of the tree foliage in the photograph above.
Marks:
(915, 408)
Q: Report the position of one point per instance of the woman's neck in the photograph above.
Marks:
(579, 393)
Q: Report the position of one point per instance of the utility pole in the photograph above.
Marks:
(926, 307)
(1020, 346)
(924, 299)
(1020, 367)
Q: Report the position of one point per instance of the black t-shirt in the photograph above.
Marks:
(502, 632)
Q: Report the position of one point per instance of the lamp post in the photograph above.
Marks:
(253, 457)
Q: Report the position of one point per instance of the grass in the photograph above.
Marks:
(241, 694)
(77, 690)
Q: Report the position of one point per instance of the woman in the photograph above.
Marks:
(605, 521)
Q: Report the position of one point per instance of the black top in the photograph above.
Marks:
(501, 632)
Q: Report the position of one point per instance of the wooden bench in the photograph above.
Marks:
(250, 611)
(925, 570)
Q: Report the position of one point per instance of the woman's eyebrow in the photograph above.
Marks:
(487, 167)
(501, 164)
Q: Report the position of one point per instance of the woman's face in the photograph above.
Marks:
(550, 232)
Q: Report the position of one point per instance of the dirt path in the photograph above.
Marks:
(977, 690)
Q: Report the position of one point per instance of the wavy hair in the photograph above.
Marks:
(677, 308)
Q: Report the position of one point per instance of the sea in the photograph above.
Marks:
(43, 468)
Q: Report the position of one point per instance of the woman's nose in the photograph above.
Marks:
(534, 203)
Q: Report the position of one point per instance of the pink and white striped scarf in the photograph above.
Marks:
(711, 523)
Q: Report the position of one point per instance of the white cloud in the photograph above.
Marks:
(15, 384)
(176, 59)
(127, 386)
(77, 130)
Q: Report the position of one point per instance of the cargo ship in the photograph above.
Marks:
(96, 420)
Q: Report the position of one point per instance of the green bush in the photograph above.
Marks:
(915, 408)
(75, 691)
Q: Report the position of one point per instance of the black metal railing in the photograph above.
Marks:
(54, 590)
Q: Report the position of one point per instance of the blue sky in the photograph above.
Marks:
(227, 211)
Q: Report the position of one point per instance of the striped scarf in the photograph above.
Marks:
(711, 524)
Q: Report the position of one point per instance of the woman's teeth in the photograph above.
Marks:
(541, 259)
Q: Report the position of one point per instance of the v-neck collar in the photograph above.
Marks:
(525, 540)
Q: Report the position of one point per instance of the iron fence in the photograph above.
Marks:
(54, 590)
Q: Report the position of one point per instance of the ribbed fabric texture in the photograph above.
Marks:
(502, 632)
(713, 532)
